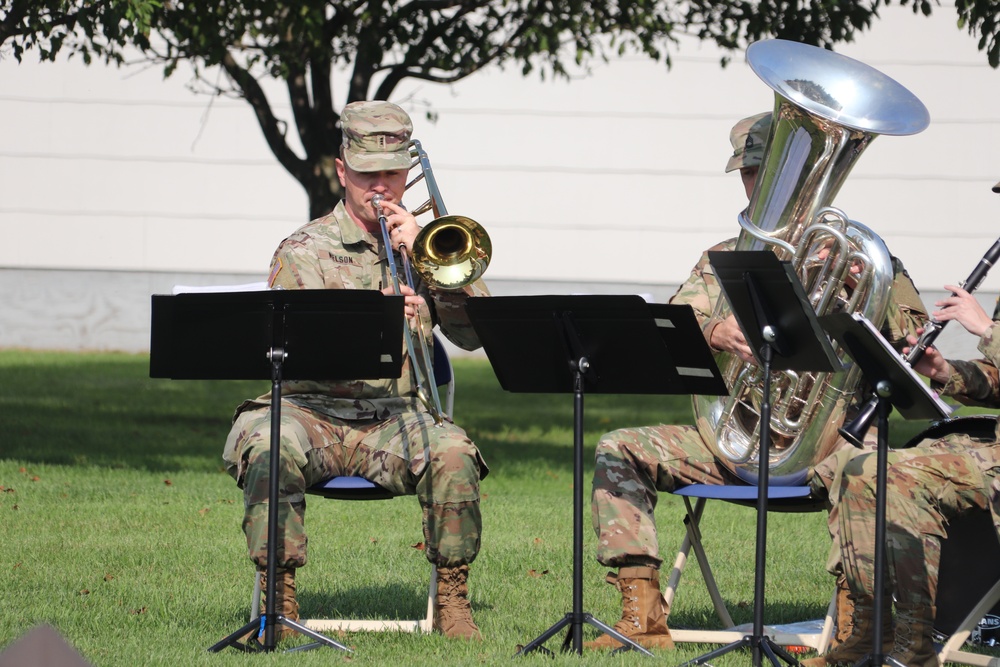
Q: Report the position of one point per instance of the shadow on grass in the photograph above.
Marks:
(105, 410)
(390, 601)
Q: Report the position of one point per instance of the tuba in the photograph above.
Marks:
(828, 108)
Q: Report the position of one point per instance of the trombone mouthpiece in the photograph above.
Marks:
(377, 201)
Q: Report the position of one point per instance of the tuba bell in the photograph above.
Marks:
(828, 108)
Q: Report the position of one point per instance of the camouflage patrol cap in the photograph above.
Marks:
(376, 136)
(748, 138)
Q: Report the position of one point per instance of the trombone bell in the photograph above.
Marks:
(451, 252)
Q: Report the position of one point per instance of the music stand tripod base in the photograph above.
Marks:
(253, 645)
(567, 645)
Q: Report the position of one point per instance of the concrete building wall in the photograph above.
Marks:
(74, 309)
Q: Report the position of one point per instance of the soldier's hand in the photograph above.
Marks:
(411, 302)
(728, 337)
(402, 225)
(964, 309)
(931, 364)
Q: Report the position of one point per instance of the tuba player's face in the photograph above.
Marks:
(749, 176)
(361, 186)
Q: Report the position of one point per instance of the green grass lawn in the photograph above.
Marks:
(121, 529)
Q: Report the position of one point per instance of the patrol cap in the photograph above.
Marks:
(996, 188)
(376, 136)
(748, 138)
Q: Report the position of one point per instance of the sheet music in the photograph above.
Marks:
(901, 365)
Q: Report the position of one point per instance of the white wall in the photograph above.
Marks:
(617, 176)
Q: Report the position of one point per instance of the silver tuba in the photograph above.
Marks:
(828, 108)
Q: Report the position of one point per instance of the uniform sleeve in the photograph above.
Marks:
(451, 316)
(977, 382)
(701, 291)
(295, 265)
(906, 311)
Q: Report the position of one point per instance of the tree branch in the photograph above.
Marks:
(254, 95)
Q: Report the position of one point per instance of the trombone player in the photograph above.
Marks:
(379, 429)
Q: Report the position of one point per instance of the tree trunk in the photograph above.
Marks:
(323, 193)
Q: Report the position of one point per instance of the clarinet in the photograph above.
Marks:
(854, 432)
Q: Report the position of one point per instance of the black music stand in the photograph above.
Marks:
(595, 344)
(280, 335)
(774, 314)
(896, 385)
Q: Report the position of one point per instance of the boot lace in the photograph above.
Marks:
(629, 622)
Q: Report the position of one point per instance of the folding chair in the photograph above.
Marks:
(780, 499)
(359, 488)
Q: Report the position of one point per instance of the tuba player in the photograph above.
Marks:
(634, 464)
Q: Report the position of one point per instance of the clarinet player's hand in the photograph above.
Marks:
(931, 364)
(964, 309)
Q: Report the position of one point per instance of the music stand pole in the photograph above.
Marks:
(601, 344)
(275, 334)
(896, 385)
(776, 316)
(758, 642)
(271, 618)
(580, 366)
(884, 406)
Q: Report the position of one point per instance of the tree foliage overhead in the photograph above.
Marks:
(380, 43)
(83, 27)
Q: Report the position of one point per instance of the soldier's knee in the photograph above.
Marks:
(609, 446)
(457, 455)
(855, 467)
(258, 453)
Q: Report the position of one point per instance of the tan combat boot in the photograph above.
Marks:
(285, 603)
(644, 611)
(858, 642)
(845, 611)
(452, 611)
(914, 645)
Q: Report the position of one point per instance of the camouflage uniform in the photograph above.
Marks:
(374, 428)
(926, 487)
(633, 464)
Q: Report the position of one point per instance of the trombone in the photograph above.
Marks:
(449, 253)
